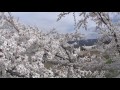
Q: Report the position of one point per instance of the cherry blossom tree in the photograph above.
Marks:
(106, 26)
(103, 21)
(28, 52)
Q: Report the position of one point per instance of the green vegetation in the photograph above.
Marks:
(109, 61)
(112, 73)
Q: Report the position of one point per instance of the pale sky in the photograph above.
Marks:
(47, 21)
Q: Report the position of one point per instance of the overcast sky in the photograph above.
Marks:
(47, 21)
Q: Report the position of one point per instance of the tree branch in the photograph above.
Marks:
(114, 34)
(68, 54)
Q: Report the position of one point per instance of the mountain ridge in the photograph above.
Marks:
(88, 42)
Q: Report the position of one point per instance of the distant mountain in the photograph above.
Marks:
(88, 42)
